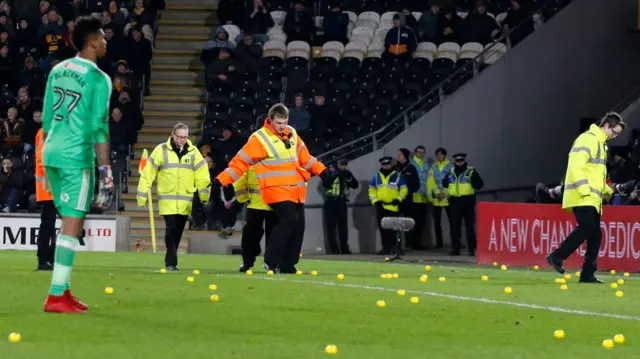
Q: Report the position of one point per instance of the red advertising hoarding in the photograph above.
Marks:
(522, 234)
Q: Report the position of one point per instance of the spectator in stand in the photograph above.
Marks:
(249, 53)
(130, 109)
(50, 35)
(143, 18)
(140, 60)
(449, 27)
(121, 131)
(227, 146)
(335, 24)
(259, 22)
(479, 26)
(299, 117)
(400, 40)
(75, 9)
(218, 39)
(11, 182)
(623, 168)
(11, 133)
(44, 7)
(231, 12)
(7, 67)
(222, 70)
(31, 127)
(320, 114)
(519, 22)
(299, 24)
(118, 18)
(428, 24)
(7, 24)
(26, 10)
(27, 37)
(25, 115)
(410, 20)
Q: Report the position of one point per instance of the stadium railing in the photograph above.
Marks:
(404, 120)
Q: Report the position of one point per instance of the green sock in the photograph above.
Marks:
(63, 261)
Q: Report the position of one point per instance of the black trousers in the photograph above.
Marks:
(588, 229)
(417, 211)
(283, 250)
(47, 232)
(172, 236)
(258, 223)
(463, 210)
(336, 219)
(437, 222)
(388, 236)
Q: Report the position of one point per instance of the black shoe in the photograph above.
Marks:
(556, 264)
(455, 252)
(244, 268)
(172, 269)
(591, 280)
(270, 268)
(45, 266)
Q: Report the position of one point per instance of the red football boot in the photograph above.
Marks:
(60, 304)
(75, 301)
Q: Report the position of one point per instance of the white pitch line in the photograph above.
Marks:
(451, 296)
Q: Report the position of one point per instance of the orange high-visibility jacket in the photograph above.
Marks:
(282, 172)
(41, 193)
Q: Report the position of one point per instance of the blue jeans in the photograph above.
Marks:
(14, 199)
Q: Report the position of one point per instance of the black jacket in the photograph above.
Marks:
(410, 175)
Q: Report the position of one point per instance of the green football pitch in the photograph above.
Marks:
(155, 315)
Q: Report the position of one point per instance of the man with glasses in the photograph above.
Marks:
(461, 183)
(585, 186)
(181, 171)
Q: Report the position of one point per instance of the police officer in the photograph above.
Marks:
(437, 193)
(181, 171)
(461, 183)
(409, 207)
(335, 208)
(387, 190)
(260, 218)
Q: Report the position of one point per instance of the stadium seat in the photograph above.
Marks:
(276, 34)
(278, 17)
(362, 34)
(493, 52)
(233, 32)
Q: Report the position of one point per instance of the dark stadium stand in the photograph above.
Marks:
(349, 81)
(34, 36)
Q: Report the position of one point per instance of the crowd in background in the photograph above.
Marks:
(34, 37)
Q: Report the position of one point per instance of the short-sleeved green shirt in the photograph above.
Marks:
(75, 115)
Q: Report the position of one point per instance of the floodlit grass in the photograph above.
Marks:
(154, 315)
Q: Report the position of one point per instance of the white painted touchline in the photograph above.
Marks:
(449, 296)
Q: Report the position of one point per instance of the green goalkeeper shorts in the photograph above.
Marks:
(72, 190)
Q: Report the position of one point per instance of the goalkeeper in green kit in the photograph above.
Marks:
(75, 123)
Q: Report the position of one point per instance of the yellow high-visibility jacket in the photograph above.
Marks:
(178, 179)
(585, 183)
(248, 190)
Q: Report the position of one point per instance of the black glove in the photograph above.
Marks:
(327, 178)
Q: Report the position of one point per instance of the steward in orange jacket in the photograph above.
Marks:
(283, 165)
(47, 232)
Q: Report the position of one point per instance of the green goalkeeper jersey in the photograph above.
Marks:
(75, 115)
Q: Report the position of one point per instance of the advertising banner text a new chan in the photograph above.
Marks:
(523, 234)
